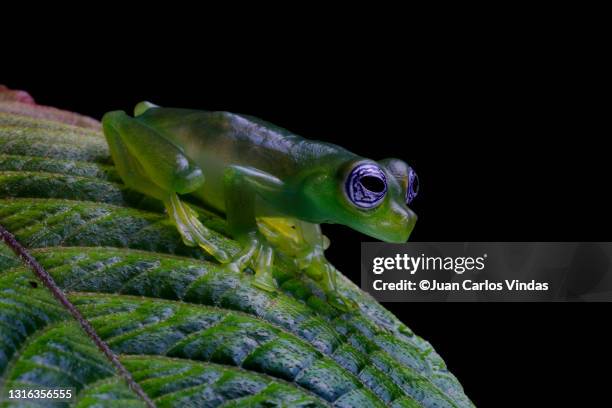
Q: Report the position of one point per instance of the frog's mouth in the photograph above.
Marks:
(396, 229)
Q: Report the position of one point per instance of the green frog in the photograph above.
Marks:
(274, 187)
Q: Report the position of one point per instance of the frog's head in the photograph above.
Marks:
(370, 197)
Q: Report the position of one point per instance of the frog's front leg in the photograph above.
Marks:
(312, 260)
(242, 185)
(305, 242)
(149, 163)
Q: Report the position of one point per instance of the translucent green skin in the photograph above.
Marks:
(252, 171)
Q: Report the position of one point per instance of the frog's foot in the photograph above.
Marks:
(341, 302)
(323, 271)
(191, 229)
(258, 255)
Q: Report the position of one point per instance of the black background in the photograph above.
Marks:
(508, 137)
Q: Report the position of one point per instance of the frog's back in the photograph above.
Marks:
(215, 140)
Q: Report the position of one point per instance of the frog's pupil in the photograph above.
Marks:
(373, 184)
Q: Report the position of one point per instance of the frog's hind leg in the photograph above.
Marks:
(149, 163)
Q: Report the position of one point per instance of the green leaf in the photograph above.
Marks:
(189, 334)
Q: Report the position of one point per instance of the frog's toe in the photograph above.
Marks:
(314, 270)
(186, 238)
(328, 279)
(192, 231)
(264, 278)
(231, 268)
(267, 283)
(192, 236)
(341, 302)
(243, 258)
(219, 254)
(259, 257)
(202, 236)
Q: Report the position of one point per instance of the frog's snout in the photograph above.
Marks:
(395, 227)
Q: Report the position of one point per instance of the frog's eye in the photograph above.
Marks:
(366, 185)
(413, 186)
